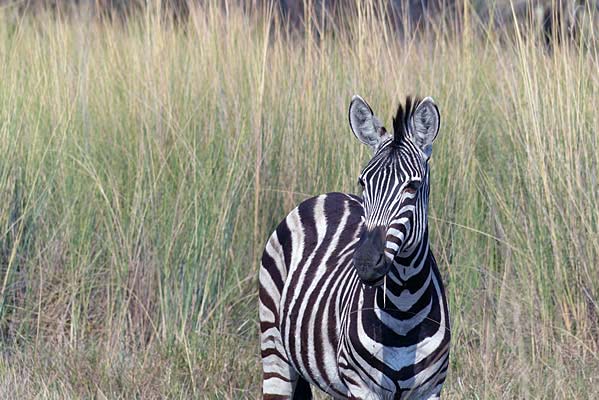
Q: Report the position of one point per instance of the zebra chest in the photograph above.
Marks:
(393, 353)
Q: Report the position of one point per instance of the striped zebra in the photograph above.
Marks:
(351, 299)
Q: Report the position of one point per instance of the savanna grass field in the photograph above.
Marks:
(144, 164)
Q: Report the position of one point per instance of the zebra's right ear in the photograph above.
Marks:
(365, 125)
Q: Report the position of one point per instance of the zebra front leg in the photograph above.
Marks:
(302, 390)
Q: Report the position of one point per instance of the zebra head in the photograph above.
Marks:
(395, 184)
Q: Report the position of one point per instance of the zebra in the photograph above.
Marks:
(351, 299)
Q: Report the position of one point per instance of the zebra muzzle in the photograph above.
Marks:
(369, 258)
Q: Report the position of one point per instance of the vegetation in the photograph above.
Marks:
(144, 166)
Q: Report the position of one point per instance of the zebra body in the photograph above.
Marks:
(324, 322)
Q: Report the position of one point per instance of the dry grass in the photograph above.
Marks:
(144, 166)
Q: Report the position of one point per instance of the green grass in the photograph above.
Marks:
(144, 166)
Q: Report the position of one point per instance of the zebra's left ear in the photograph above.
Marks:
(424, 125)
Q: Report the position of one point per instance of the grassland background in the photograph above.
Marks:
(143, 166)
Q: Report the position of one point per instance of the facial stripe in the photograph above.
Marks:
(385, 199)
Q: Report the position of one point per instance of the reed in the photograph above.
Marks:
(144, 166)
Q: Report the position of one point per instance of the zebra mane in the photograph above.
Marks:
(402, 119)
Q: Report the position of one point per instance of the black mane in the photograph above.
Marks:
(402, 118)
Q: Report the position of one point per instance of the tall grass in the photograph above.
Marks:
(144, 165)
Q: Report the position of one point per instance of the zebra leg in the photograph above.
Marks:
(302, 390)
(437, 395)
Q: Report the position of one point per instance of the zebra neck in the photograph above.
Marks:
(411, 271)
(409, 289)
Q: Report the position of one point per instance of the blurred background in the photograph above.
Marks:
(150, 148)
(405, 15)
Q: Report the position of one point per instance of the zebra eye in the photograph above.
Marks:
(413, 186)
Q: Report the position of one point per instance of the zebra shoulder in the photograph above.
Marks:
(318, 212)
(328, 208)
(318, 215)
(306, 220)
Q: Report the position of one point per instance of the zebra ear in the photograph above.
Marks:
(365, 125)
(424, 125)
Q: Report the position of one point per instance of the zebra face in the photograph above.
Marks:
(395, 184)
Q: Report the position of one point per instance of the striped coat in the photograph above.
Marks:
(322, 325)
